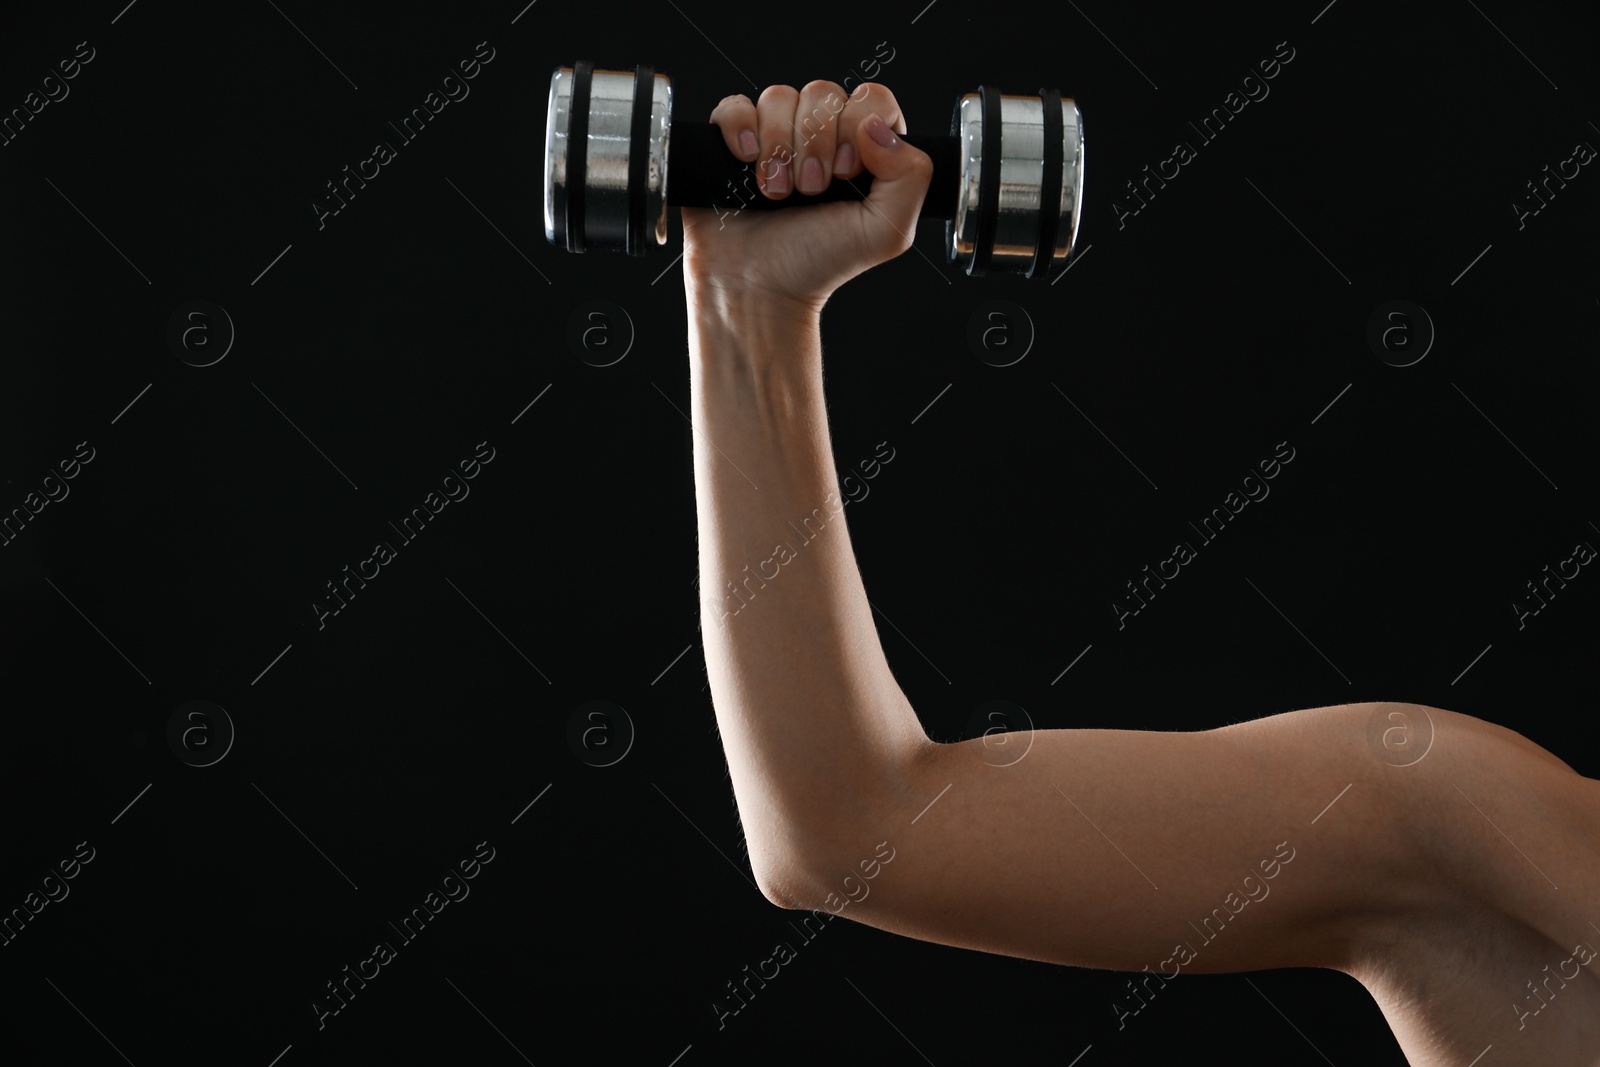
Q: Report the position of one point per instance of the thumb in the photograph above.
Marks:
(900, 177)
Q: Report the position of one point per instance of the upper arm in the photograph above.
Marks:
(1205, 851)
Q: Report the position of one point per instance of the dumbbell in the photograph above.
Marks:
(1008, 177)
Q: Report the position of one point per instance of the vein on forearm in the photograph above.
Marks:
(814, 725)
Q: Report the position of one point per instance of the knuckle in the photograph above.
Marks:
(777, 94)
(822, 87)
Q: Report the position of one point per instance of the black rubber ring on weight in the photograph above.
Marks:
(578, 152)
(988, 183)
(1049, 185)
(644, 88)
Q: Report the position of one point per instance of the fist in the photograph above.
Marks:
(803, 140)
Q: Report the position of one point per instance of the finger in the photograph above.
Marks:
(736, 116)
(774, 131)
(816, 134)
(869, 98)
(900, 176)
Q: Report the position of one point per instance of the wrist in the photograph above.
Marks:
(752, 328)
(755, 354)
(735, 301)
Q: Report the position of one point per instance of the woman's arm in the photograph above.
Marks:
(816, 730)
(1284, 841)
(1098, 847)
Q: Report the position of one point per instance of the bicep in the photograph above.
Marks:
(1204, 851)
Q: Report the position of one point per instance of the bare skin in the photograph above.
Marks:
(1461, 888)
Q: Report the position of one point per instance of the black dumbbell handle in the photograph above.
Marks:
(701, 172)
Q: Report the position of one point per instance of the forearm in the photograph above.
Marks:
(817, 733)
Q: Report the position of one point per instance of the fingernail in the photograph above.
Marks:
(778, 180)
(879, 131)
(748, 143)
(845, 158)
(811, 175)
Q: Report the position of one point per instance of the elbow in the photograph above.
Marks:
(824, 859)
(785, 893)
(795, 874)
(827, 882)
(784, 878)
(826, 874)
(806, 892)
(774, 860)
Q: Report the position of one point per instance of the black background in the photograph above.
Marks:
(430, 712)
